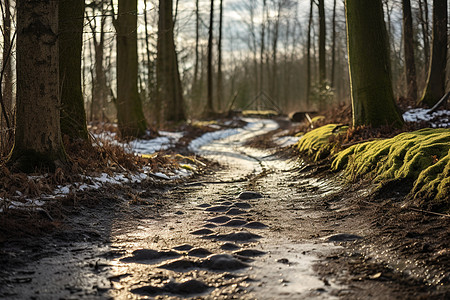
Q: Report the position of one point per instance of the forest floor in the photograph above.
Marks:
(258, 224)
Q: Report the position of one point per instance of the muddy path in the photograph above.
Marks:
(258, 227)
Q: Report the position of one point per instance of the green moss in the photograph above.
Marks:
(316, 143)
(421, 156)
(264, 113)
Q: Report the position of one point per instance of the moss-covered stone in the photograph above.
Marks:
(421, 156)
(316, 143)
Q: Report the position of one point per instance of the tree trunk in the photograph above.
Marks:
(219, 69)
(410, 67)
(38, 133)
(131, 120)
(209, 102)
(322, 40)
(308, 55)
(423, 10)
(262, 50)
(370, 76)
(7, 91)
(197, 38)
(333, 46)
(435, 86)
(150, 63)
(73, 115)
(169, 90)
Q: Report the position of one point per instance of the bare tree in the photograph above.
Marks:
(410, 66)
(209, 101)
(38, 142)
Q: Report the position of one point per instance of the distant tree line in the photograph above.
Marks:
(145, 63)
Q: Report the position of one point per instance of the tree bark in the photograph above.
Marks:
(322, 40)
(370, 76)
(131, 120)
(7, 91)
(410, 67)
(435, 86)
(333, 46)
(219, 67)
(169, 89)
(423, 10)
(209, 101)
(308, 55)
(38, 133)
(73, 115)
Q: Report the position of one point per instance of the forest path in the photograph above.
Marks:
(261, 227)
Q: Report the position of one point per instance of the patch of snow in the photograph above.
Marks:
(437, 119)
(286, 141)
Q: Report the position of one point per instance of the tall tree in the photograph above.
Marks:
(372, 95)
(131, 120)
(7, 91)
(73, 115)
(410, 66)
(38, 133)
(209, 101)
(322, 40)
(99, 85)
(308, 54)
(435, 87)
(219, 63)
(423, 13)
(169, 89)
(333, 45)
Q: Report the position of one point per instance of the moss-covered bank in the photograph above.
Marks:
(421, 157)
(318, 142)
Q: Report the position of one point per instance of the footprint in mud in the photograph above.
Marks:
(184, 247)
(249, 252)
(218, 208)
(343, 237)
(249, 195)
(235, 211)
(199, 252)
(149, 256)
(204, 205)
(256, 225)
(181, 264)
(223, 262)
(203, 231)
(210, 225)
(186, 288)
(234, 223)
(230, 247)
(225, 202)
(242, 236)
(243, 205)
(219, 220)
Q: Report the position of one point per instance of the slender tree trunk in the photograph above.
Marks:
(262, 50)
(6, 59)
(333, 46)
(197, 37)
(130, 116)
(410, 67)
(73, 115)
(274, 89)
(435, 87)
(219, 71)
(322, 40)
(423, 10)
(169, 89)
(38, 133)
(308, 55)
(209, 103)
(150, 65)
(372, 94)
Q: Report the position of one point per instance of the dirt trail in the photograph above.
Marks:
(259, 228)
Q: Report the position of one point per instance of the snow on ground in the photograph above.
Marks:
(140, 146)
(437, 119)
